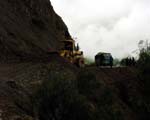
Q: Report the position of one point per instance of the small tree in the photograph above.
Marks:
(144, 46)
(144, 73)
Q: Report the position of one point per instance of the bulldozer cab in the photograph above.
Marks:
(68, 45)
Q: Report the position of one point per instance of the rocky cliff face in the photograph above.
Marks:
(29, 27)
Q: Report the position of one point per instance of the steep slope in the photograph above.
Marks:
(29, 27)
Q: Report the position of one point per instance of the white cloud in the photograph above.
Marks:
(113, 26)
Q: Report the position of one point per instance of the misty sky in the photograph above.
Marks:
(113, 26)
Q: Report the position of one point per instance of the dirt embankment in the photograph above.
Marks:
(19, 81)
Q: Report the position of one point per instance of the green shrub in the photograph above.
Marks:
(87, 83)
(144, 70)
(58, 99)
(100, 95)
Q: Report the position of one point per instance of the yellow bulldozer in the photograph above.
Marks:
(71, 52)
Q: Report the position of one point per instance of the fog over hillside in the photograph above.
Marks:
(103, 25)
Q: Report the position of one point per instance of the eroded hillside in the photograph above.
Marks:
(29, 27)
